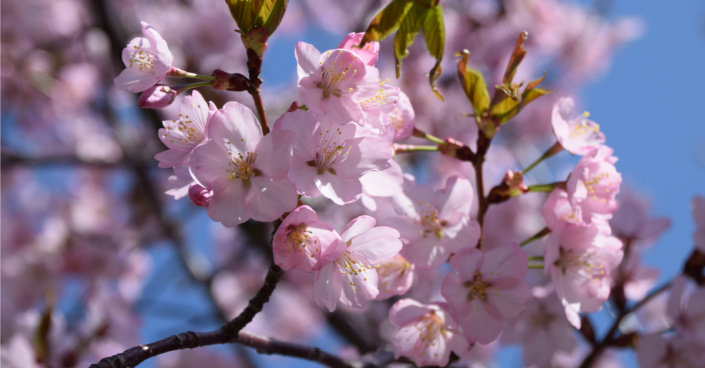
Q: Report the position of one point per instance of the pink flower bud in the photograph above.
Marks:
(199, 195)
(157, 97)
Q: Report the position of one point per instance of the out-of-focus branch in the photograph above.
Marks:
(10, 159)
(611, 334)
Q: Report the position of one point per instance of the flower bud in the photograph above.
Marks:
(230, 82)
(199, 195)
(157, 97)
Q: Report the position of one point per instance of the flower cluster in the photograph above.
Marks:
(338, 143)
(581, 252)
(359, 206)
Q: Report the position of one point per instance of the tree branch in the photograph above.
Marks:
(189, 340)
(229, 333)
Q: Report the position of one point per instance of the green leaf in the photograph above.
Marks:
(387, 20)
(408, 29)
(474, 86)
(532, 94)
(434, 33)
(408, 17)
(271, 14)
(505, 109)
(245, 12)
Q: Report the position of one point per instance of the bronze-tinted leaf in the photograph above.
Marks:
(474, 86)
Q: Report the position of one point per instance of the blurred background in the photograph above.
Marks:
(96, 258)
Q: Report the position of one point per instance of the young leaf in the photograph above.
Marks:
(408, 17)
(387, 21)
(245, 12)
(474, 86)
(435, 34)
(271, 14)
(409, 27)
(516, 58)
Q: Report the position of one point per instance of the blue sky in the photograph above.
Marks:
(648, 106)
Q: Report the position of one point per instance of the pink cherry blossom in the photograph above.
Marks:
(579, 135)
(157, 96)
(558, 213)
(594, 183)
(579, 260)
(686, 307)
(367, 53)
(698, 208)
(657, 351)
(542, 329)
(381, 184)
(486, 289)
(183, 134)
(638, 278)
(348, 273)
(328, 158)
(435, 224)
(300, 238)
(401, 118)
(395, 277)
(245, 171)
(336, 82)
(425, 333)
(632, 222)
(147, 61)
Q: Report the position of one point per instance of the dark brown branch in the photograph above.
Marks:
(229, 333)
(10, 159)
(257, 302)
(189, 340)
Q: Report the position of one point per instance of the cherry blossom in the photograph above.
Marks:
(594, 183)
(348, 275)
(638, 278)
(425, 333)
(686, 307)
(183, 134)
(632, 222)
(300, 238)
(435, 224)
(558, 213)
(147, 61)
(486, 289)
(336, 82)
(542, 329)
(578, 135)
(579, 260)
(395, 277)
(157, 96)
(401, 118)
(367, 53)
(328, 158)
(245, 171)
(657, 351)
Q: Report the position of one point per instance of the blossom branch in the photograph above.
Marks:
(229, 333)
(189, 340)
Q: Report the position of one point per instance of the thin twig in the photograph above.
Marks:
(609, 337)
